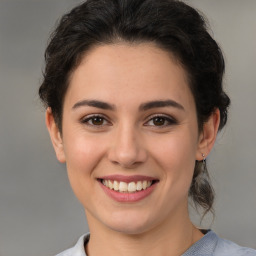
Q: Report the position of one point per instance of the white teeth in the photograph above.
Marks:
(144, 184)
(123, 186)
(110, 184)
(116, 185)
(130, 187)
(139, 185)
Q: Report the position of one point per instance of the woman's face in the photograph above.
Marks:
(129, 120)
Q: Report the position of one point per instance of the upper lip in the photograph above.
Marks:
(127, 179)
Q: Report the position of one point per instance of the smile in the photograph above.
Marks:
(125, 187)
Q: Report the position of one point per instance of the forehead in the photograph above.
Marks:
(123, 71)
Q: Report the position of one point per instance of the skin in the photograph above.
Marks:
(129, 141)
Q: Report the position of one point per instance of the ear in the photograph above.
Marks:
(208, 135)
(55, 136)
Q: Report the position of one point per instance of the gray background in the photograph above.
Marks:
(39, 215)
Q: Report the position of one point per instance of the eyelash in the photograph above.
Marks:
(90, 118)
(168, 121)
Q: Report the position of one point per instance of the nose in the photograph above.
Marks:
(127, 148)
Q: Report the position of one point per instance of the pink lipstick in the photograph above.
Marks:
(127, 188)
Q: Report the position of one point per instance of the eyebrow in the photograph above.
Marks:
(160, 104)
(94, 103)
(142, 107)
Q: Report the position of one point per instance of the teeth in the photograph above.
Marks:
(115, 185)
(130, 187)
(110, 184)
(144, 184)
(123, 186)
(139, 185)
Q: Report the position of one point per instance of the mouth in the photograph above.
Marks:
(127, 187)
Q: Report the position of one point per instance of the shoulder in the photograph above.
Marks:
(227, 248)
(78, 249)
(212, 245)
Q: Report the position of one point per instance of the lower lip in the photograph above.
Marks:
(128, 197)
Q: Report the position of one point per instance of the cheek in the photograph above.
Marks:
(176, 155)
(82, 152)
(82, 156)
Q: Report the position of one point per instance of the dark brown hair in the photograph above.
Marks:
(171, 25)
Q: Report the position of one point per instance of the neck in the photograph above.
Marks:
(172, 238)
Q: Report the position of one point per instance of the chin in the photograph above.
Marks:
(129, 229)
(131, 224)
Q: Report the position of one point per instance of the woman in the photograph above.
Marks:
(133, 90)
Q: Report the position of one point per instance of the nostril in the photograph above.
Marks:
(127, 152)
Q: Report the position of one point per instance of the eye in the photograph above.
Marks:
(95, 120)
(161, 121)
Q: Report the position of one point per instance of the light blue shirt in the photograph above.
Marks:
(209, 245)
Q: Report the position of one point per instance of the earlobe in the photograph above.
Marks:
(55, 135)
(208, 135)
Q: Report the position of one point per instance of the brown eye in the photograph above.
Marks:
(97, 120)
(159, 121)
